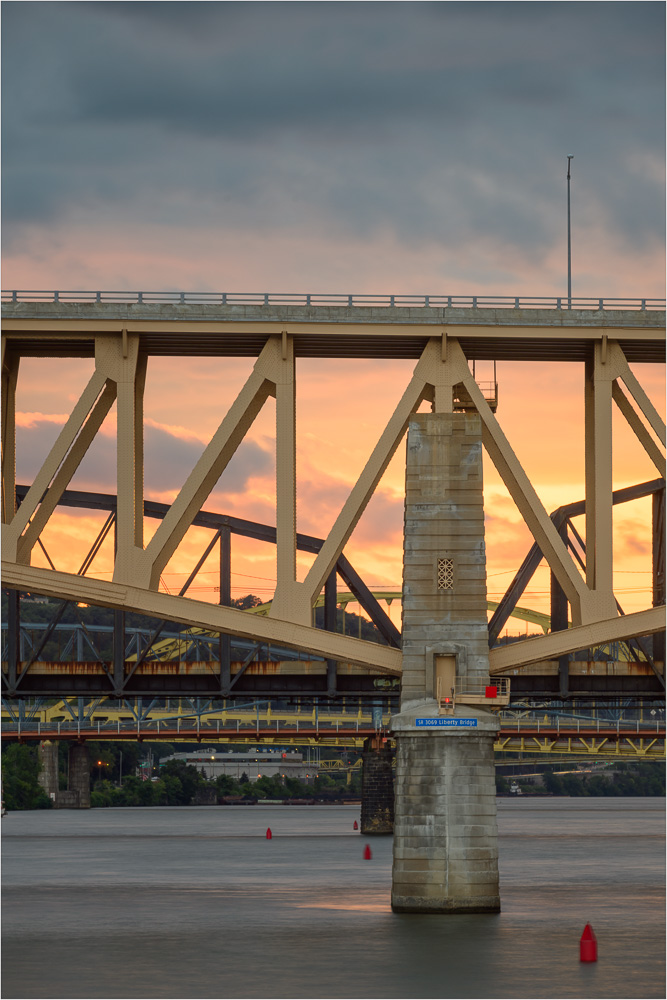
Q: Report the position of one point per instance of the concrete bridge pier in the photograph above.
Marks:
(377, 788)
(79, 776)
(48, 776)
(445, 832)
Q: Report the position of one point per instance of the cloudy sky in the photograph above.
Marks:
(332, 147)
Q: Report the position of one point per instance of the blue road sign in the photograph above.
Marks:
(450, 723)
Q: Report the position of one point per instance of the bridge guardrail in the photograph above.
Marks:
(602, 726)
(187, 726)
(344, 300)
(213, 727)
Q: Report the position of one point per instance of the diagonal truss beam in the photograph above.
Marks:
(119, 375)
(64, 475)
(249, 529)
(555, 644)
(650, 446)
(199, 614)
(361, 493)
(623, 371)
(534, 556)
(525, 497)
(216, 456)
(45, 477)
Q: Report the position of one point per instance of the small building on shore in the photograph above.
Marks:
(279, 764)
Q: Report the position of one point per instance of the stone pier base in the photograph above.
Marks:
(445, 831)
(48, 776)
(377, 788)
(79, 775)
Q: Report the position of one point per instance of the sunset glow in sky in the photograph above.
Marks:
(334, 147)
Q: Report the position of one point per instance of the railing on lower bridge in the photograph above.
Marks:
(582, 737)
(533, 734)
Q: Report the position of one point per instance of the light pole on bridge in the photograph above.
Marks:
(570, 156)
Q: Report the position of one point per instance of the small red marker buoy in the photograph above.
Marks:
(356, 825)
(588, 945)
(367, 853)
(269, 835)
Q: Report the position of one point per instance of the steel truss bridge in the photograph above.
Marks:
(444, 336)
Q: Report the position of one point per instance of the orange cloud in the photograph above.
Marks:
(32, 420)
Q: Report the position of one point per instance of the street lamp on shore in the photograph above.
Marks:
(570, 156)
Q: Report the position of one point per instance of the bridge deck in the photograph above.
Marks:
(503, 332)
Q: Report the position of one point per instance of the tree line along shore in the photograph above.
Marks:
(116, 781)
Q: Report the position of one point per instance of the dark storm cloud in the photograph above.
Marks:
(168, 460)
(434, 121)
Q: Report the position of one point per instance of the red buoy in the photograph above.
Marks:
(356, 825)
(269, 835)
(588, 945)
(367, 853)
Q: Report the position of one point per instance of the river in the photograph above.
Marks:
(196, 902)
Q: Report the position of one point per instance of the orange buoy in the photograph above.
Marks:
(356, 825)
(367, 853)
(588, 945)
(269, 835)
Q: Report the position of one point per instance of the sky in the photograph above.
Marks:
(334, 147)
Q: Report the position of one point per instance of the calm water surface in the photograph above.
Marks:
(196, 902)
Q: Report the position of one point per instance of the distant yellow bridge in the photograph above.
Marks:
(531, 733)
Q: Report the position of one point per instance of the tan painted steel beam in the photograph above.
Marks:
(10, 370)
(639, 395)
(599, 376)
(531, 508)
(432, 373)
(215, 458)
(426, 370)
(651, 448)
(287, 604)
(322, 332)
(365, 322)
(67, 440)
(330, 645)
(549, 647)
(130, 378)
(64, 475)
(443, 376)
